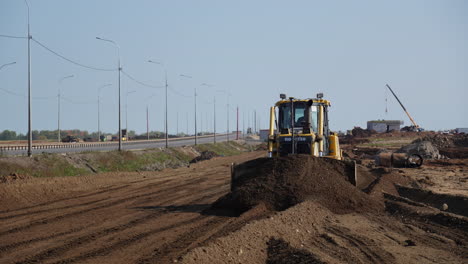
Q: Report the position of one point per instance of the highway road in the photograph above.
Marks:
(130, 145)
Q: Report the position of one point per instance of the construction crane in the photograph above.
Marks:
(415, 126)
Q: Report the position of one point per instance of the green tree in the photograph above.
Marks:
(8, 135)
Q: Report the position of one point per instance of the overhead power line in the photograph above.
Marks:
(22, 95)
(15, 37)
(69, 60)
(179, 93)
(140, 82)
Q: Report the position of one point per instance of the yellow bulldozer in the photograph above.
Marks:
(299, 133)
(300, 126)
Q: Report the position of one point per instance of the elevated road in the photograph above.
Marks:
(108, 146)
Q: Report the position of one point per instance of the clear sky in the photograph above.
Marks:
(255, 50)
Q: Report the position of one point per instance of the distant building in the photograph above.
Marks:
(384, 125)
(462, 130)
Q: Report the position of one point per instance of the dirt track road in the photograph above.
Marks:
(150, 217)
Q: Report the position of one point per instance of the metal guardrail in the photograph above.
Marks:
(93, 145)
(57, 146)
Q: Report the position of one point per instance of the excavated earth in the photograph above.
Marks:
(280, 183)
(287, 210)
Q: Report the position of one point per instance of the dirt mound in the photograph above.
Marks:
(424, 148)
(351, 140)
(460, 140)
(281, 252)
(280, 183)
(205, 155)
(445, 140)
(455, 153)
(362, 133)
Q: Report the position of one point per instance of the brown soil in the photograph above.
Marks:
(280, 183)
(204, 155)
(162, 217)
(419, 226)
(280, 252)
(146, 217)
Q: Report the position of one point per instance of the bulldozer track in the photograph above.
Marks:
(56, 251)
(102, 206)
(66, 199)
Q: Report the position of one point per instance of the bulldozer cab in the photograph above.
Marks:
(300, 126)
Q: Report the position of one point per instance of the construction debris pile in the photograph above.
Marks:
(449, 146)
(424, 148)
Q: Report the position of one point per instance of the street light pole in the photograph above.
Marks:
(119, 70)
(147, 123)
(165, 115)
(214, 119)
(227, 118)
(227, 112)
(167, 129)
(58, 112)
(29, 87)
(237, 130)
(126, 113)
(195, 97)
(99, 113)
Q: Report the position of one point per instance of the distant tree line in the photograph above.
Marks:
(52, 134)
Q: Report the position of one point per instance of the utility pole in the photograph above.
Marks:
(147, 123)
(227, 119)
(186, 126)
(167, 143)
(248, 122)
(165, 122)
(29, 87)
(237, 129)
(58, 110)
(177, 126)
(119, 70)
(243, 124)
(255, 121)
(98, 116)
(126, 113)
(195, 97)
(214, 119)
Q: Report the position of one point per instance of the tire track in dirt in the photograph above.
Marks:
(66, 199)
(163, 254)
(197, 236)
(105, 205)
(39, 239)
(12, 246)
(123, 243)
(57, 251)
(127, 242)
(160, 184)
(50, 209)
(363, 246)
